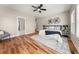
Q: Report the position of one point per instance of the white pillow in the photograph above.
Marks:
(42, 32)
(51, 28)
(1, 32)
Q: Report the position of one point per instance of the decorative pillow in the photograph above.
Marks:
(1, 32)
(53, 28)
(42, 32)
(52, 32)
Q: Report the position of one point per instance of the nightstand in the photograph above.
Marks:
(65, 31)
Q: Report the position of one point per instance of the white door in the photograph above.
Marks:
(21, 26)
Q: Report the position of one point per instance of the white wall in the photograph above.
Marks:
(75, 34)
(8, 21)
(30, 24)
(77, 22)
(65, 20)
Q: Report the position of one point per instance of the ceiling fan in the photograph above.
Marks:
(39, 8)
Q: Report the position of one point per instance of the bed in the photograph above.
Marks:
(52, 38)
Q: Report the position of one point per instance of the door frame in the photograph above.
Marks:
(18, 24)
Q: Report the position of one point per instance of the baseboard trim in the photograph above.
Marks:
(29, 34)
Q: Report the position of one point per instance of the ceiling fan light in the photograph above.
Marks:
(38, 9)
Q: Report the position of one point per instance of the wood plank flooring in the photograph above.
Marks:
(72, 47)
(25, 45)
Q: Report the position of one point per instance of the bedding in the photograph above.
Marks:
(42, 32)
(52, 32)
(48, 32)
(53, 28)
(53, 37)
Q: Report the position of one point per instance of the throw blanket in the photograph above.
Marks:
(52, 32)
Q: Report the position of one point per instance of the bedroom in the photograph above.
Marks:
(34, 28)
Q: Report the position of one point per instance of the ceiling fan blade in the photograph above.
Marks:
(43, 9)
(35, 10)
(39, 11)
(34, 7)
(40, 6)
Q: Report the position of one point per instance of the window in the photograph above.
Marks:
(73, 22)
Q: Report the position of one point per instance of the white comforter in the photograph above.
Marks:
(56, 37)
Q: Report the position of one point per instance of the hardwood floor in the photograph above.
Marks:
(72, 47)
(25, 45)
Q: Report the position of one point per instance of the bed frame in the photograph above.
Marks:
(46, 26)
(65, 29)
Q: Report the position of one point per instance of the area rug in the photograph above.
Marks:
(62, 48)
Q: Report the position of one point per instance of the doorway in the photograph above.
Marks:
(20, 25)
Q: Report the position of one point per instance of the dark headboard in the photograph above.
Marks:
(46, 26)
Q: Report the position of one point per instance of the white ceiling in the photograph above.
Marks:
(51, 9)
